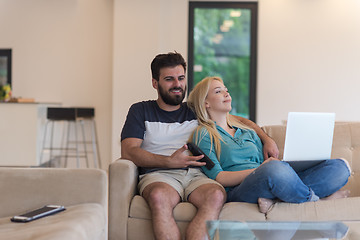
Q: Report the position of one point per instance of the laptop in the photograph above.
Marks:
(308, 139)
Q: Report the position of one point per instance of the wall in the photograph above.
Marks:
(142, 29)
(98, 53)
(308, 55)
(309, 58)
(62, 52)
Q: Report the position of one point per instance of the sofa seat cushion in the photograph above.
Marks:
(345, 209)
(241, 211)
(186, 211)
(354, 229)
(83, 221)
(139, 208)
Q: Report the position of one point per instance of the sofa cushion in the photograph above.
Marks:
(241, 211)
(30, 188)
(83, 221)
(140, 209)
(346, 144)
(354, 229)
(185, 211)
(345, 209)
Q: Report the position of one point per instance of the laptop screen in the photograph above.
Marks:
(309, 136)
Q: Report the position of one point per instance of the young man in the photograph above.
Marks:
(154, 137)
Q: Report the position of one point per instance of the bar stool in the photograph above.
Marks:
(88, 114)
(71, 116)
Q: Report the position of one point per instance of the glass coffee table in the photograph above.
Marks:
(231, 230)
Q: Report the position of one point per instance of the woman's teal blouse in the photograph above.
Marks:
(241, 152)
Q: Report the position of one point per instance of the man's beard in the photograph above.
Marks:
(174, 101)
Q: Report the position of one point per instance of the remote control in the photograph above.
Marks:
(196, 151)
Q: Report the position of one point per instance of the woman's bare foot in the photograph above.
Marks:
(265, 204)
(338, 194)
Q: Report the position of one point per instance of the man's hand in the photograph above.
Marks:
(131, 150)
(179, 159)
(270, 149)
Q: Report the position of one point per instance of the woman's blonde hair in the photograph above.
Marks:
(196, 101)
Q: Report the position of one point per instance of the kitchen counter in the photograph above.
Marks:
(21, 132)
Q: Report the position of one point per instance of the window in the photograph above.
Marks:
(222, 42)
(5, 67)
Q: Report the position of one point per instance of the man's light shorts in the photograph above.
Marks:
(183, 181)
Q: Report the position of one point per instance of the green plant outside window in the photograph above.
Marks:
(222, 45)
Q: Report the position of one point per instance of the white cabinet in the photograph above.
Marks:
(21, 133)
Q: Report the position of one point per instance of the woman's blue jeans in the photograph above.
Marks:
(277, 180)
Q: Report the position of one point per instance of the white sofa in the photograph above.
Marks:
(83, 192)
(130, 218)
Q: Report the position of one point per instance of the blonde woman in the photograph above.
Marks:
(240, 166)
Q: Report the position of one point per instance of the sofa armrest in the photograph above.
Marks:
(123, 179)
(24, 189)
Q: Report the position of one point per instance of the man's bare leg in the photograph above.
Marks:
(209, 200)
(162, 199)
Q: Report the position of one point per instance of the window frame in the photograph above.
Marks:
(7, 53)
(253, 6)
